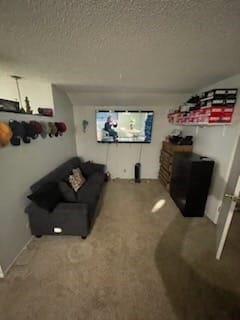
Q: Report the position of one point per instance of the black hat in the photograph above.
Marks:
(31, 131)
(18, 132)
(25, 137)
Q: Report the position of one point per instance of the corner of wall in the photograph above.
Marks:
(29, 163)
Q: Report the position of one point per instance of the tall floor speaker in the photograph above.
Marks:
(137, 172)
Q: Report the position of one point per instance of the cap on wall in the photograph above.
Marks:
(61, 127)
(18, 132)
(31, 131)
(25, 136)
(53, 129)
(5, 134)
(45, 129)
(36, 127)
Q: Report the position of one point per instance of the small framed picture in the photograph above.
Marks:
(9, 105)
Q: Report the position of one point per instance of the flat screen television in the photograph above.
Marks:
(124, 126)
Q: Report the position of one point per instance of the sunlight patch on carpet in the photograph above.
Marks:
(158, 205)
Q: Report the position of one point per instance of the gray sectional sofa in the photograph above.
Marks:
(74, 217)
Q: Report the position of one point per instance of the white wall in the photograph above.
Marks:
(215, 142)
(218, 142)
(39, 93)
(23, 165)
(122, 157)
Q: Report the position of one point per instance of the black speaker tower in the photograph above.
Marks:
(137, 172)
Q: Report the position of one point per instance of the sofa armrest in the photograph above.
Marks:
(74, 217)
(71, 218)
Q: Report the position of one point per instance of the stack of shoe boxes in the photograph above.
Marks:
(210, 107)
(219, 105)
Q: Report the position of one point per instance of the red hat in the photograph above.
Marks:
(61, 126)
(36, 127)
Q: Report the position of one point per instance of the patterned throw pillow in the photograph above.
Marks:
(76, 179)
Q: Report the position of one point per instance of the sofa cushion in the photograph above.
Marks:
(96, 178)
(90, 191)
(67, 192)
(88, 168)
(47, 196)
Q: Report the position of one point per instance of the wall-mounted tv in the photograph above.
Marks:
(124, 126)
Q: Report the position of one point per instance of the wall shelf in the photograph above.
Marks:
(204, 124)
(24, 114)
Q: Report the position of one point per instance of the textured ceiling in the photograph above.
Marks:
(142, 45)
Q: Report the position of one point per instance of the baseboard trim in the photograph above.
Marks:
(14, 260)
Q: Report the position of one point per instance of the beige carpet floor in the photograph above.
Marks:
(135, 265)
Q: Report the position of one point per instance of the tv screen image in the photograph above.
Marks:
(124, 126)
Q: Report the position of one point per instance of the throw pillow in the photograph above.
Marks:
(87, 168)
(47, 196)
(76, 180)
(67, 192)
